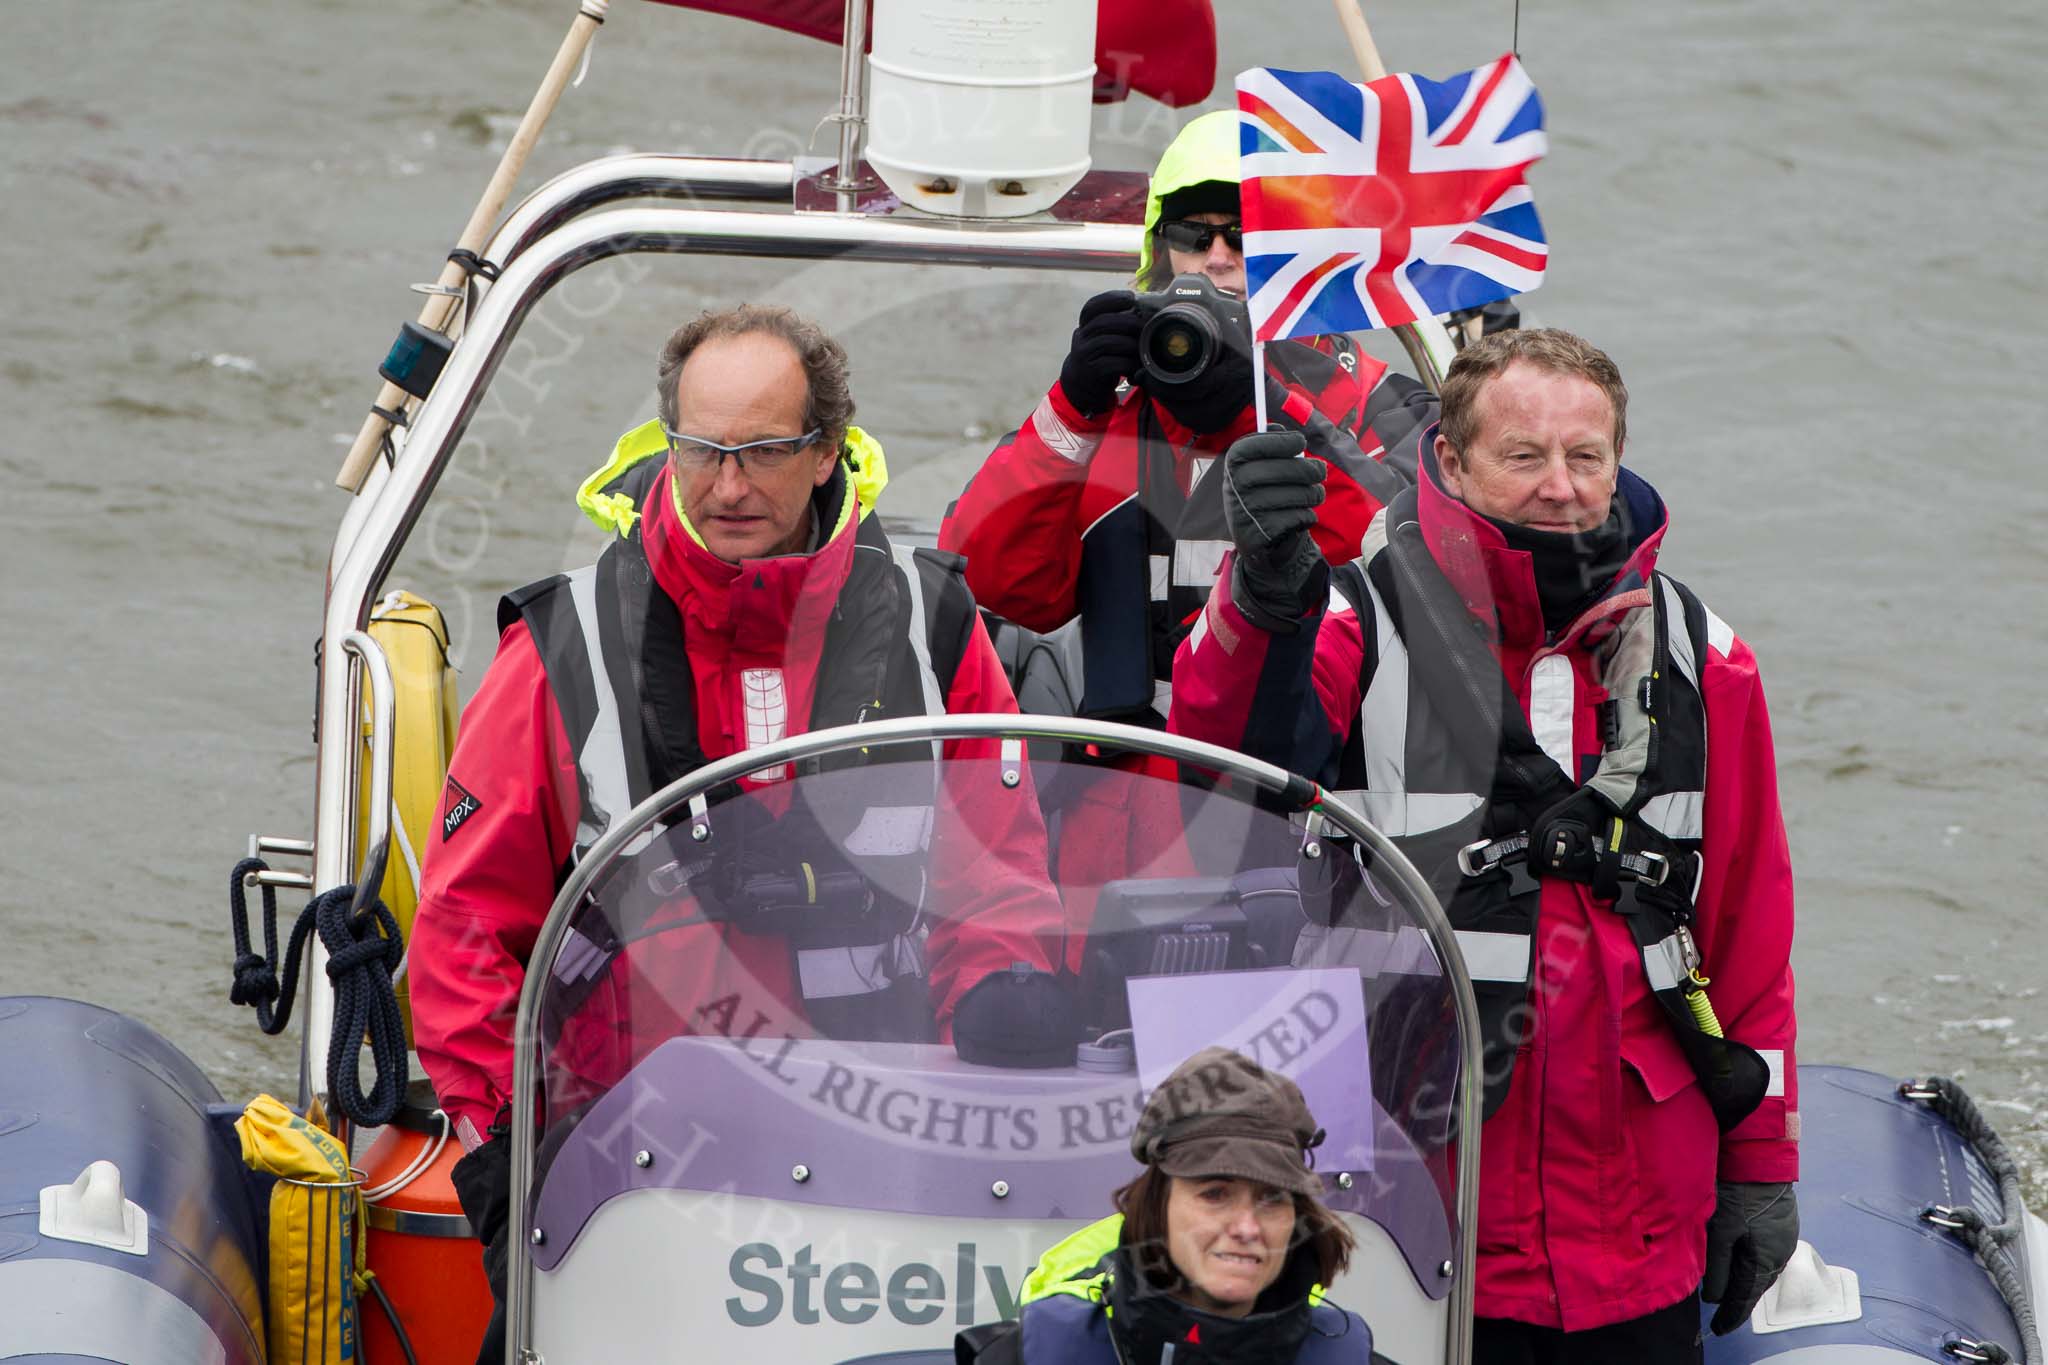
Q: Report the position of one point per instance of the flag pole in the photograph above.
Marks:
(1427, 343)
(440, 305)
(1259, 384)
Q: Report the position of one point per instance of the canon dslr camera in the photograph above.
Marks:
(1188, 326)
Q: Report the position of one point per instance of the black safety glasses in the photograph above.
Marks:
(1185, 234)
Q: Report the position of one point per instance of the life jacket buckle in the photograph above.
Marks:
(1657, 869)
(1482, 856)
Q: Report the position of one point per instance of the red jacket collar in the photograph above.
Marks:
(778, 594)
(1497, 583)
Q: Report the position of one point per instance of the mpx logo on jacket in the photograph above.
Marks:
(458, 807)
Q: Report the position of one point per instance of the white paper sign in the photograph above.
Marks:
(1307, 1024)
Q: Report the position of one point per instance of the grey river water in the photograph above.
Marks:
(1808, 233)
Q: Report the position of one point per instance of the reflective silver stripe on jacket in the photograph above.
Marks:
(1676, 634)
(1495, 957)
(920, 637)
(884, 830)
(1664, 963)
(1383, 719)
(1681, 815)
(1193, 564)
(609, 794)
(835, 973)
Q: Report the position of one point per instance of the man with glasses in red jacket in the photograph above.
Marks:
(748, 598)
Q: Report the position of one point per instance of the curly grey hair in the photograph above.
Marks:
(829, 403)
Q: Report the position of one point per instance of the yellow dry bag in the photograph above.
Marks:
(316, 1253)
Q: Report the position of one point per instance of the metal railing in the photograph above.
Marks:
(1387, 863)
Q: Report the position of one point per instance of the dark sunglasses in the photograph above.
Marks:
(1184, 234)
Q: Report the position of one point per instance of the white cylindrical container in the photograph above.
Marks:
(980, 108)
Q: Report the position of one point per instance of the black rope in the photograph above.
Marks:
(1515, 46)
(395, 416)
(256, 980)
(2001, 1246)
(391, 1316)
(364, 948)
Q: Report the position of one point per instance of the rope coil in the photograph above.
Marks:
(364, 949)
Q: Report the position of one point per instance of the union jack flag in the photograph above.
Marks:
(1373, 205)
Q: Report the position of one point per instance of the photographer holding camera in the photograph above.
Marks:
(1116, 471)
(1107, 506)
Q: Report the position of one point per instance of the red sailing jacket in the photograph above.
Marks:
(492, 872)
(1020, 521)
(1597, 1173)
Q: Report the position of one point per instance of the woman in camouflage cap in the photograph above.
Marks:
(1218, 1250)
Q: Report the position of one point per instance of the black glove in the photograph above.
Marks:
(1218, 398)
(1104, 351)
(1269, 502)
(1754, 1230)
(483, 1185)
(1020, 1018)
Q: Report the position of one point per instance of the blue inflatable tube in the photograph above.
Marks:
(1871, 1164)
(80, 1084)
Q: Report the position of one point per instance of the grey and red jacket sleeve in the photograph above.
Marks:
(506, 826)
(1018, 521)
(994, 899)
(1745, 906)
(1290, 700)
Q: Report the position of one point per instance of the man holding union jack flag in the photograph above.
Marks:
(1576, 752)
(1512, 693)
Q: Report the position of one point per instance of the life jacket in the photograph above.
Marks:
(1070, 1297)
(610, 640)
(1148, 564)
(1443, 761)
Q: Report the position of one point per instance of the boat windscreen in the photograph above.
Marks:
(903, 983)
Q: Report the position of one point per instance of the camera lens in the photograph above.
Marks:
(1178, 343)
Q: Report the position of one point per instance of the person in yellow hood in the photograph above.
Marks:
(1049, 525)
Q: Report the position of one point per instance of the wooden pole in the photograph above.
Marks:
(1359, 35)
(1427, 343)
(435, 313)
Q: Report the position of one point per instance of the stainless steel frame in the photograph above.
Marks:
(383, 734)
(1388, 862)
(546, 239)
(638, 175)
(364, 655)
(542, 247)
